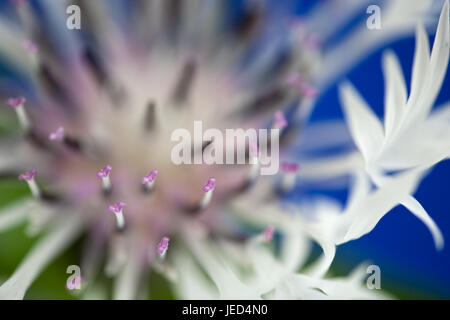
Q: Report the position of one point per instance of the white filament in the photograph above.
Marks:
(22, 117)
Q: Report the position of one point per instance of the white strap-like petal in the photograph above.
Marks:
(436, 72)
(364, 125)
(222, 275)
(40, 256)
(416, 208)
(191, 284)
(368, 212)
(395, 92)
(420, 65)
(14, 214)
(322, 265)
(439, 55)
(127, 281)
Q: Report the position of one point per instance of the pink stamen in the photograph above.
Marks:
(117, 208)
(150, 177)
(280, 120)
(16, 102)
(104, 173)
(163, 245)
(28, 176)
(57, 135)
(268, 234)
(209, 185)
(31, 47)
(289, 167)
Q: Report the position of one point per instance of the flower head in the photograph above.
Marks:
(140, 79)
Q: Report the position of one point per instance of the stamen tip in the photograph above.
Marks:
(28, 176)
(163, 245)
(16, 102)
(150, 177)
(116, 208)
(209, 185)
(103, 173)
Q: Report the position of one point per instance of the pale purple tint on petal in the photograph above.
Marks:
(268, 234)
(280, 120)
(309, 91)
(295, 80)
(30, 46)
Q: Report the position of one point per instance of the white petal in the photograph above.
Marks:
(395, 92)
(436, 72)
(127, 281)
(322, 265)
(40, 256)
(416, 208)
(440, 54)
(294, 250)
(191, 284)
(368, 212)
(364, 125)
(420, 65)
(331, 167)
(268, 271)
(229, 285)
(14, 214)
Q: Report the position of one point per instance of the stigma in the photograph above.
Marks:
(104, 175)
(117, 209)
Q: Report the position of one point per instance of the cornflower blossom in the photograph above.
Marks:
(110, 95)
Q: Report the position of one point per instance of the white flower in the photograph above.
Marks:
(166, 75)
(411, 136)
